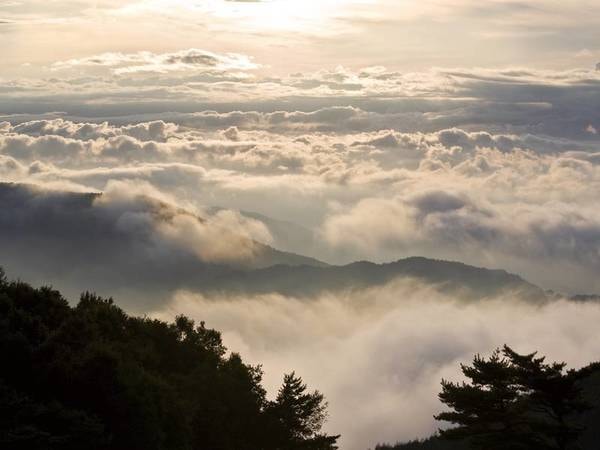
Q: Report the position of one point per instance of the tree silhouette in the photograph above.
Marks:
(300, 416)
(512, 402)
(551, 396)
(93, 377)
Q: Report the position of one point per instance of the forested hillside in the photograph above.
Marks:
(92, 377)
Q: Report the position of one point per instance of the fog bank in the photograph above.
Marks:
(379, 354)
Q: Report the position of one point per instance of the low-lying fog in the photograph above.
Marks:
(379, 354)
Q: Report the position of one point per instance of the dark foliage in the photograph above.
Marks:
(432, 443)
(513, 401)
(93, 377)
(517, 401)
(299, 413)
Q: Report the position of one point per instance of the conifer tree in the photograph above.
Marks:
(512, 402)
(300, 415)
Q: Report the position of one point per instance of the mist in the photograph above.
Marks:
(379, 354)
(359, 191)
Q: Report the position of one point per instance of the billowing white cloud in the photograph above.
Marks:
(523, 202)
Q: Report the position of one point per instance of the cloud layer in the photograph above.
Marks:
(379, 354)
(168, 141)
(493, 168)
(131, 241)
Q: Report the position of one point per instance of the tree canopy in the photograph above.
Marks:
(93, 377)
(513, 401)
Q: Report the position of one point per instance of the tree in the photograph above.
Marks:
(92, 376)
(512, 401)
(551, 396)
(299, 416)
(486, 409)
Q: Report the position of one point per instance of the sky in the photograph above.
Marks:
(288, 36)
(340, 130)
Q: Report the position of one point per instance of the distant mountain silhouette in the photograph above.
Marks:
(77, 242)
(585, 298)
(451, 277)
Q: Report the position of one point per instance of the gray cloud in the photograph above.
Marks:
(556, 103)
(131, 241)
(148, 62)
(525, 238)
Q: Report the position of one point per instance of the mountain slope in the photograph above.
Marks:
(142, 249)
(131, 245)
(449, 276)
(28, 212)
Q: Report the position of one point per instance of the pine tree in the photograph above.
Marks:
(512, 402)
(300, 415)
(551, 396)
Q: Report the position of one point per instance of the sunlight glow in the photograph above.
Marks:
(282, 14)
(311, 16)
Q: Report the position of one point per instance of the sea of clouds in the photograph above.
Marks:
(493, 168)
(379, 354)
(496, 168)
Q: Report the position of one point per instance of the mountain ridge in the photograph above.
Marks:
(55, 237)
(303, 281)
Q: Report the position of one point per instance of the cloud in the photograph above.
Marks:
(584, 53)
(185, 60)
(131, 239)
(146, 131)
(510, 200)
(379, 354)
(226, 237)
(325, 119)
(560, 104)
(457, 226)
